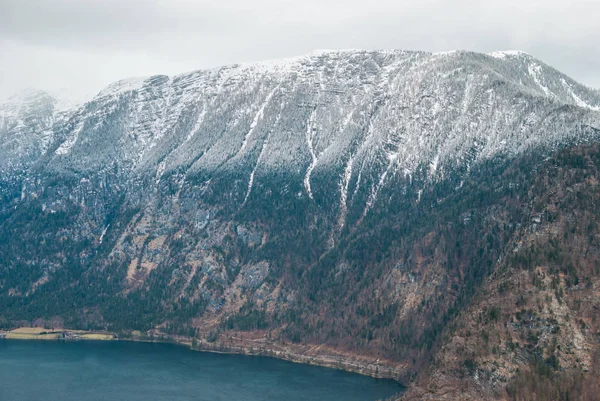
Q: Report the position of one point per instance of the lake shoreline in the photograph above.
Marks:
(142, 370)
(315, 355)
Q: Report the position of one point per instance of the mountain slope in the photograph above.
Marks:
(354, 200)
(532, 331)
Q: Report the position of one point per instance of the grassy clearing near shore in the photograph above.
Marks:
(39, 333)
(25, 336)
(97, 336)
(32, 333)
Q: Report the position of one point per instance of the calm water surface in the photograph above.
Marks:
(85, 371)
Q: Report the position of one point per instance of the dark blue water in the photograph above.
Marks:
(85, 371)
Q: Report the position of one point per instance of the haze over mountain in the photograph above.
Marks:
(354, 203)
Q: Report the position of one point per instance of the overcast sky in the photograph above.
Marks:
(82, 45)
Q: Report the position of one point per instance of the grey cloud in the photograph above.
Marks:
(92, 42)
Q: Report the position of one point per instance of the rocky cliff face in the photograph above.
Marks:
(355, 199)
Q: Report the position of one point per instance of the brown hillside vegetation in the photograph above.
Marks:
(532, 332)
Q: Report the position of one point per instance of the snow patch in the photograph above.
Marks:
(507, 53)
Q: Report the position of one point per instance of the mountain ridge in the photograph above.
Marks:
(188, 89)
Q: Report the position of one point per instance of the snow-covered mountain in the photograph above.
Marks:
(26, 121)
(362, 116)
(357, 199)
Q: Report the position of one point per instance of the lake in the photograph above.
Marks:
(129, 371)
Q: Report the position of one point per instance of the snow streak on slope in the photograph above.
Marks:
(66, 146)
(535, 72)
(251, 179)
(580, 102)
(260, 156)
(310, 132)
(197, 125)
(257, 117)
(344, 184)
